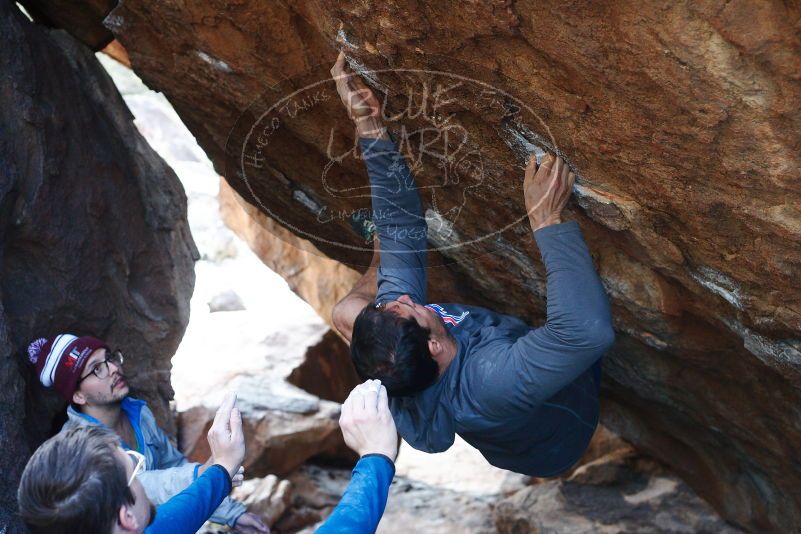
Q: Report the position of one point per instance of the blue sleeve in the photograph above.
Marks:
(399, 220)
(186, 512)
(577, 332)
(362, 505)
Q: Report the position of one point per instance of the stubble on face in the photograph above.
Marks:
(105, 393)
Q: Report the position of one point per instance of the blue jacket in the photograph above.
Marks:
(526, 397)
(186, 512)
(168, 472)
(363, 503)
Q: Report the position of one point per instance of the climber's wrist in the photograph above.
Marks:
(539, 222)
(370, 127)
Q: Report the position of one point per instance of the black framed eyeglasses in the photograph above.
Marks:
(101, 370)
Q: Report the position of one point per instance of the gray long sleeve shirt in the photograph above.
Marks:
(526, 397)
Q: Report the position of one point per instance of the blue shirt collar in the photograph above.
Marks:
(133, 410)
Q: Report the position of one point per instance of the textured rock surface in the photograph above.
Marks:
(93, 233)
(682, 121)
(327, 371)
(620, 492)
(283, 427)
(84, 21)
(411, 505)
(226, 301)
(266, 497)
(13, 443)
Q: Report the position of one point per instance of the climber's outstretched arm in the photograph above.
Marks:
(396, 209)
(362, 294)
(578, 330)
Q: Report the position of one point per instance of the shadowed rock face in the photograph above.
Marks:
(327, 371)
(93, 234)
(85, 24)
(619, 492)
(682, 123)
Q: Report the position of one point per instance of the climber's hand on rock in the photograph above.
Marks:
(546, 189)
(362, 105)
(367, 423)
(359, 99)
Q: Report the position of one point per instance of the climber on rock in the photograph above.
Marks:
(89, 375)
(527, 398)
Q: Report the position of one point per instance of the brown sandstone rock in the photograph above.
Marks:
(412, 506)
(682, 122)
(327, 371)
(93, 234)
(266, 497)
(283, 428)
(116, 51)
(620, 492)
(603, 442)
(316, 491)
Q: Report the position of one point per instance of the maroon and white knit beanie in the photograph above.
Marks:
(60, 361)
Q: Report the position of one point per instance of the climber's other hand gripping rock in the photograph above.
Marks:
(546, 190)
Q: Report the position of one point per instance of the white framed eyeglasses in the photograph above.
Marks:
(138, 460)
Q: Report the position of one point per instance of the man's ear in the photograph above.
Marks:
(78, 398)
(127, 518)
(434, 347)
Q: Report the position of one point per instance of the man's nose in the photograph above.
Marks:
(117, 367)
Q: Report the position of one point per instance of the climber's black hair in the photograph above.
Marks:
(394, 350)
